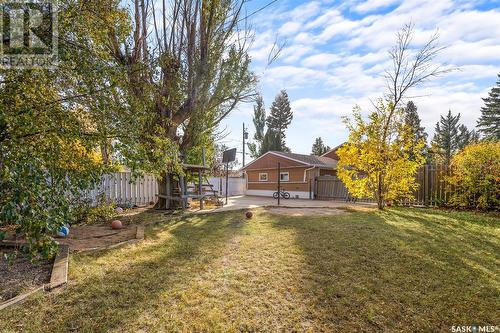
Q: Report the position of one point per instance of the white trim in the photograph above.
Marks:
(269, 193)
(277, 182)
(287, 176)
(265, 180)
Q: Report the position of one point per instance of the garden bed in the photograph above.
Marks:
(100, 237)
(21, 275)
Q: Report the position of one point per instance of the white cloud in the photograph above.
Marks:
(292, 76)
(370, 5)
(289, 28)
(437, 101)
(333, 60)
(320, 60)
(294, 53)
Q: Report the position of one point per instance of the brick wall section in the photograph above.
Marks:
(295, 183)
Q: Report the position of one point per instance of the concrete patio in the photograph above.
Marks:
(248, 202)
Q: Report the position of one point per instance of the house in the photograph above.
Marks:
(297, 173)
(332, 153)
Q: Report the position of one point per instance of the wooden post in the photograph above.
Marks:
(168, 191)
(200, 190)
(227, 178)
(279, 182)
(182, 192)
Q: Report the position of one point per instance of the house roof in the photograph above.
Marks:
(308, 160)
(311, 160)
(334, 148)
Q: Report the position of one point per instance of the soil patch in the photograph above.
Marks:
(90, 237)
(22, 275)
(305, 211)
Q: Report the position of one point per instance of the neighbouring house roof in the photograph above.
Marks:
(307, 160)
(333, 150)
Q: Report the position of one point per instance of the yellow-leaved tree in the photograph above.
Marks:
(382, 169)
(381, 157)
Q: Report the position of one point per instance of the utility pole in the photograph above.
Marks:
(279, 183)
(245, 137)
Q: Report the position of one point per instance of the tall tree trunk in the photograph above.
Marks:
(380, 192)
(167, 188)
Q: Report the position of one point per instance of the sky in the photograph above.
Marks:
(335, 54)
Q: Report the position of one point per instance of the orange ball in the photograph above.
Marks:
(249, 214)
(116, 224)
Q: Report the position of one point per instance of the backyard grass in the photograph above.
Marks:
(399, 270)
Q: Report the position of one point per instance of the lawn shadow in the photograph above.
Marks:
(115, 287)
(397, 271)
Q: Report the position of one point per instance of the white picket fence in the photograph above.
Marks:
(121, 188)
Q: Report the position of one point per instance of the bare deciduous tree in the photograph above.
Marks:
(187, 61)
(380, 140)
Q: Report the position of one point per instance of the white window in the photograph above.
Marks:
(284, 176)
(262, 177)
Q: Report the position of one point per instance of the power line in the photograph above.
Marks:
(258, 10)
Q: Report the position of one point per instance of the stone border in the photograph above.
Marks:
(139, 236)
(58, 275)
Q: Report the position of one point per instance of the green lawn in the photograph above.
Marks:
(399, 270)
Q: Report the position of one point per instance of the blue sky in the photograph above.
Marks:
(336, 52)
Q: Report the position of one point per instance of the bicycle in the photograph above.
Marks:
(284, 195)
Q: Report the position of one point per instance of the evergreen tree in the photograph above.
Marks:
(259, 121)
(466, 137)
(412, 119)
(279, 118)
(489, 122)
(318, 147)
(445, 142)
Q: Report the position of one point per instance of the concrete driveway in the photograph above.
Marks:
(247, 202)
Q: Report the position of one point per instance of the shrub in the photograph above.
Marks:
(475, 178)
(87, 214)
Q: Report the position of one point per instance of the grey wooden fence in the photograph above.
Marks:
(432, 190)
(121, 188)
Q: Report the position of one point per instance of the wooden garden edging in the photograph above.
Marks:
(139, 236)
(58, 276)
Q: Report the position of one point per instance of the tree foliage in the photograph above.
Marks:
(280, 117)
(449, 138)
(489, 122)
(318, 147)
(188, 62)
(125, 92)
(57, 125)
(259, 121)
(365, 158)
(412, 119)
(445, 141)
(376, 161)
(476, 177)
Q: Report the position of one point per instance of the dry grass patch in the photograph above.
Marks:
(400, 270)
(288, 211)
